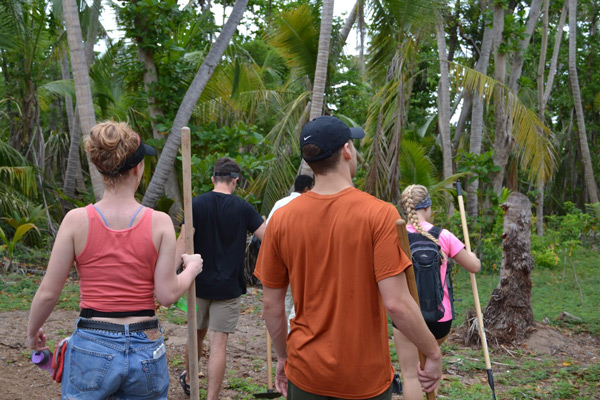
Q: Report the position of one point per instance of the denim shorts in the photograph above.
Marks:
(126, 365)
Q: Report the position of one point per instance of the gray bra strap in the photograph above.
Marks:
(135, 215)
(101, 215)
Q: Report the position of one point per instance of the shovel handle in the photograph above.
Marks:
(269, 364)
(412, 282)
(189, 249)
(465, 229)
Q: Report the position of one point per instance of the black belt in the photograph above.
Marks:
(108, 326)
(90, 312)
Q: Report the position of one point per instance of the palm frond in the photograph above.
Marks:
(415, 166)
(296, 37)
(16, 169)
(533, 139)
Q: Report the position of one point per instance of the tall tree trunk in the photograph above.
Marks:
(73, 171)
(588, 171)
(509, 316)
(502, 139)
(318, 92)
(361, 32)
(444, 101)
(172, 189)
(171, 148)
(502, 145)
(544, 95)
(517, 58)
(539, 207)
(555, 52)
(83, 93)
(477, 117)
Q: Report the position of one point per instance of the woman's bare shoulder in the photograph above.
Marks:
(161, 219)
(75, 216)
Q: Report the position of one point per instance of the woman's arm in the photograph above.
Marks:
(168, 285)
(468, 260)
(47, 295)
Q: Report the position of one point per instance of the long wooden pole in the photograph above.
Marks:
(486, 354)
(412, 282)
(186, 160)
(269, 364)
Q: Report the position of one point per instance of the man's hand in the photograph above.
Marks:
(281, 381)
(431, 376)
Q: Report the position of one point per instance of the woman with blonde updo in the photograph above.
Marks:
(417, 205)
(124, 255)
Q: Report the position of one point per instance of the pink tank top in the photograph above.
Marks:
(116, 267)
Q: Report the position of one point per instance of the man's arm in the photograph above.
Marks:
(275, 319)
(406, 315)
(260, 232)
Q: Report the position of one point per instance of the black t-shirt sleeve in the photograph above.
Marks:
(253, 217)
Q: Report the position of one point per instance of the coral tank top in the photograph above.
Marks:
(116, 267)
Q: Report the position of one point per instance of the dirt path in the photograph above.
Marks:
(246, 366)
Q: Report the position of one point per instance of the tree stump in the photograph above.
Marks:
(508, 317)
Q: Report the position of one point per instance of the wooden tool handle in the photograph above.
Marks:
(410, 279)
(463, 220)
(269, 364)
(186, 161)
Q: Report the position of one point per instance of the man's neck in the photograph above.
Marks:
(224, 188)
(332, 183)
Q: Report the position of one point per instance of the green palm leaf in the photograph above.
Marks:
(534, 141)
(296, 37)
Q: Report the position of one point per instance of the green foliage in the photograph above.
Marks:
(295, 35)
(246, 386)
(240, 142)
(21, 225)
(17, 291)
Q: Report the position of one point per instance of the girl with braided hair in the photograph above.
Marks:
(416, 202)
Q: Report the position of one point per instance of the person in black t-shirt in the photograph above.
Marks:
(221, 222)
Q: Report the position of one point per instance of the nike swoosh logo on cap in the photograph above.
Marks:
(307, 137)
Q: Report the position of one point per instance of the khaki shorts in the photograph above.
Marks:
(218, 315)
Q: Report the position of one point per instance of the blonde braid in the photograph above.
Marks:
(409, 199)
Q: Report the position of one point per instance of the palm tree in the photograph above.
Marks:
(167, 157)
(73, 171)
(590, 181)
(544, 93)
(502, 146)
(318, 91)
(83, 92)
(399, 27)
(444, 100)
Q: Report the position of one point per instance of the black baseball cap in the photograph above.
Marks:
(329, 134)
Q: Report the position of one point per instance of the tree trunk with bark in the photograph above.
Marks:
(477, 117)
(172, 189)
(508, 317)
(503, 140)
(318, 92)
(588, 171)
(444, 101)
(83, 92)
(171, 148)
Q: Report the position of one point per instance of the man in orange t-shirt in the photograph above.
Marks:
(337, 247)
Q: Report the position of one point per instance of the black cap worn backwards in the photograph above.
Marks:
(329, 134)
(134, 159)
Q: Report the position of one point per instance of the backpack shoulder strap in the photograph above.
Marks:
(435, 232)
